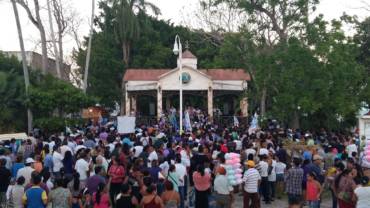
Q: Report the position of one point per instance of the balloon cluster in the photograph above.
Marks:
(233, 168)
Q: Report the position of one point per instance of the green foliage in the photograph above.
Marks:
(56, 124)
(11, 95)
(51, 94)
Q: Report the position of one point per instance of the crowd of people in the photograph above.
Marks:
(157, 167)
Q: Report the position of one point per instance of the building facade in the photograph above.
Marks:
(34, 62)
(223, 89)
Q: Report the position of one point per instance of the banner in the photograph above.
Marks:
(126, 124)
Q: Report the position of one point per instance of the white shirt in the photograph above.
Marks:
(250, 151)
(363, 197)
(144, 141)
(82, 167)
(138, 150)
(26, 173)
(185, 159)
(263, 151)
(351, 148)
(263, 168)
(152, 156)
(272, 176)
(57, 161)
(238, 145)
(181, 172)
(64, 149)
(221, 185)
(250, 179)
(280, 168)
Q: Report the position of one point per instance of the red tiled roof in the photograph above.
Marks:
(188, 54)
(144, 74)
(215, 74)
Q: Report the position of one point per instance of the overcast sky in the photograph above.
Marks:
(171, 9)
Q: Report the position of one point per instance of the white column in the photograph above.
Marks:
(133, 104)
(159, 102)
(210, 102)
(244, 106)
(127, 103)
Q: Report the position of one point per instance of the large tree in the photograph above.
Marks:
(35, 18)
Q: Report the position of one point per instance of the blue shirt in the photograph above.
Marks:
(34, 197)
(48, 162)
(15, 169)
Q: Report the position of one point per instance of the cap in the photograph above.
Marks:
(29, 160)
(317, 157)
(251, 163)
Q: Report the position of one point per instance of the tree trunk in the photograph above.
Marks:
(263, 102)
(42, 37)
(57, 63)
(126, 53)
(295, 121)
(24, 63)
(86, 74)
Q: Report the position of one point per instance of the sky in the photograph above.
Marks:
(173, 10)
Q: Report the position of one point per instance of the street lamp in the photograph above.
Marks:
(177, 50)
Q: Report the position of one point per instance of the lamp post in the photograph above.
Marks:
(177, 49)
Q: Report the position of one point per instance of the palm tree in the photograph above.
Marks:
(24, 63)
(126, 23)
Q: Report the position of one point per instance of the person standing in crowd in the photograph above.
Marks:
(293, 183)
(251, 181)
(362, 193)
(313, 191)
(57, 161)
(272, 177)
(17, 165)
(170, 197)
(125, 199)
(35, 197)
(83, 167)
(280, 170)
(94, 181)
(202, 184)
(344, 187)
(151, 199)
(5, 177)
(222, 188)
(117, 175)
(264, 169)
(101, 197)
(16, 194)
(173, 177)
(182, 173)
(60, 197)
(26, 171)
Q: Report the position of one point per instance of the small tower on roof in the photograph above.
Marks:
(188, 58)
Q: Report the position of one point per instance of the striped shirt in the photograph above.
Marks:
(250, 179)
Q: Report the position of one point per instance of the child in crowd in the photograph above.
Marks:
(313, 191)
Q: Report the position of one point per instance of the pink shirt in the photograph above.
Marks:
(104, 201)
(202, 183)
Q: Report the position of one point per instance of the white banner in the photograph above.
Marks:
(126, 124)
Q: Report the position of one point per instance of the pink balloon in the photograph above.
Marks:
(368, 157)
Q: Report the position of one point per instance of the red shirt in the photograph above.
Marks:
(119, 173)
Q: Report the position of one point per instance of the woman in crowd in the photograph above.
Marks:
(101, 197)
(170, 197)
(344, 188)
(116, 174)
(60, 197)
(151, 199)
(202, 184)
